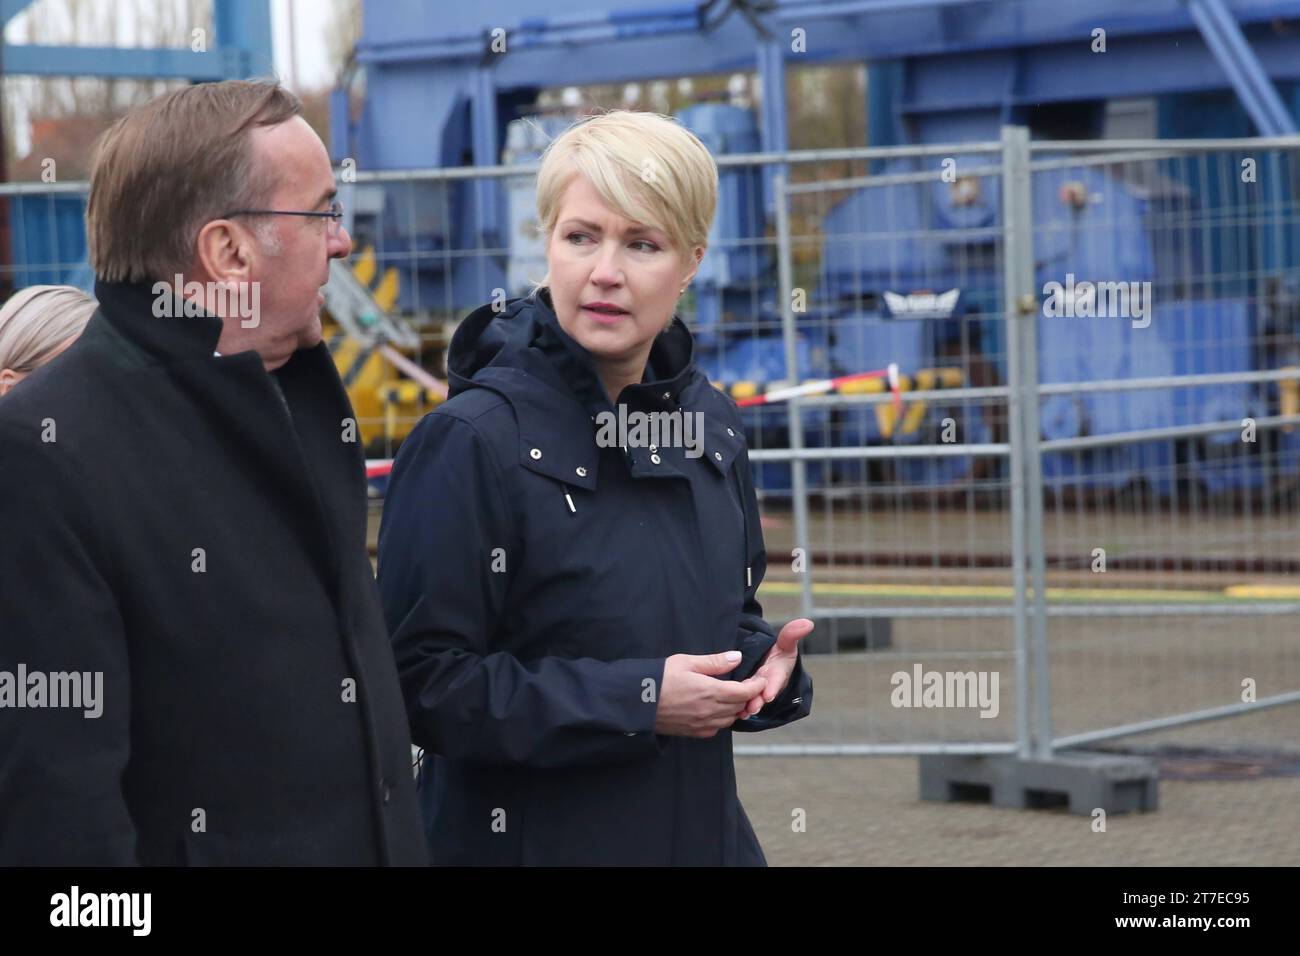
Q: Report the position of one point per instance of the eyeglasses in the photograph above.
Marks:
(334, 218)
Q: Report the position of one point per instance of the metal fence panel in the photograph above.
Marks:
(1069, 345)
(902, 526)
(1170, 446)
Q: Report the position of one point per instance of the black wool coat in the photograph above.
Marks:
(534, 582)
(199, 540)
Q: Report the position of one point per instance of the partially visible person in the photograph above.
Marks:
(36, 325)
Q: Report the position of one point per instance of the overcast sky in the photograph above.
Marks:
(309, 26)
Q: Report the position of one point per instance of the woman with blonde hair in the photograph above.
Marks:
(571, 550)
(37, 324)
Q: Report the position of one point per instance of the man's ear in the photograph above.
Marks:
(225, 251)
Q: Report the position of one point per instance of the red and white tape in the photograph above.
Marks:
(822, 386)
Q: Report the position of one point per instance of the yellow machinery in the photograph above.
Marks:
(363, 338)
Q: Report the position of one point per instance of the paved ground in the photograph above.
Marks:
(1106, 671)
(865, 811)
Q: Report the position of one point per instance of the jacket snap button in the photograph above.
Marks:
(653, 448)
(717, 455)
(655, 459)
(667, 395)
(387, 790)
(535, 454)
(582, 472)
(731, 433)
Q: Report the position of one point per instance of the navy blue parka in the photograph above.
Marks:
(534, 583)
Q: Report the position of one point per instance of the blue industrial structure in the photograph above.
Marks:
(446, 85)
(939, 71)
(240, 48)
(46, 231)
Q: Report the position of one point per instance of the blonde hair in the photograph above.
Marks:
(35, 322)
(646, 167)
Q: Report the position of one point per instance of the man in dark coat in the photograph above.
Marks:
(198, 667)
(536, 582)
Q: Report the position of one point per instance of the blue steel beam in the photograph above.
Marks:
(727, 48)
(245, 26)
(802, 9)
(240, 48)
(876, 29)
(1139, 66)
(483, 119)
(893, 29)
(773, 131)
(533, 33)
(1178, 64)
(771, 71)
(118, 62)
(1258, 96)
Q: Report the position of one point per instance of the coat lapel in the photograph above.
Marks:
(331, 444)
(241, 405)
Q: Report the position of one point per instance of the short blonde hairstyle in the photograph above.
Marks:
(39, 319)
(646, 167)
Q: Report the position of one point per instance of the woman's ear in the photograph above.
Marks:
(8, 379)
(698, 255)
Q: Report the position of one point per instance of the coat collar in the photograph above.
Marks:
(522, 352)
(286, 422)
(131, 308)
(669, 369)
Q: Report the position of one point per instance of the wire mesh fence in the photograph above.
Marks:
(1141, 386)
(1080, 473)
(1169, 434)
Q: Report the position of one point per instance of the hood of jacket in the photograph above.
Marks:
(521, 353)
(526, 336)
